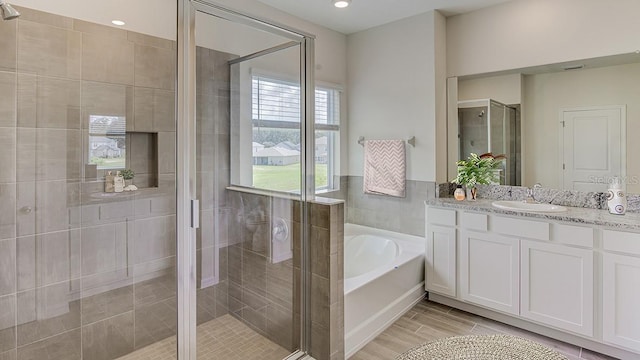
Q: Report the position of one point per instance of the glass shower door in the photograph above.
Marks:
(246, 164)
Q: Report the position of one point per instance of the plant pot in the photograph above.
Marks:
(472, 193)
(128, 182)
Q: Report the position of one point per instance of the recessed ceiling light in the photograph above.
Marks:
(341, 3)
(118, 22)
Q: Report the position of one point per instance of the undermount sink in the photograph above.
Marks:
(528, 207)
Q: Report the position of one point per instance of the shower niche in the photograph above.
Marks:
(134, 150)
(488, 126)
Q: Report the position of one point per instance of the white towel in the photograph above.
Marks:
(384, 167)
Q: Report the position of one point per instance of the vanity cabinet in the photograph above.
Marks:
(557, 286)
(545, 276)
(489, 268)
(621, 289)
(441, 267)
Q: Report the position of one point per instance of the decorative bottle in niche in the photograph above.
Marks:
(616, 199)
(459, 193)
(118, 183)
(108, 182)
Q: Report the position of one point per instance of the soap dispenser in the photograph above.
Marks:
(616, 199)
(118, 182)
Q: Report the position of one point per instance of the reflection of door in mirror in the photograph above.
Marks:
(593, 144)
(488, 126)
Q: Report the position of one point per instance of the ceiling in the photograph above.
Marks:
(365, 14)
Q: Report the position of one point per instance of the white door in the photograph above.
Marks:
(441, 260)
(489, 271)
(557, 286)
(593, 147)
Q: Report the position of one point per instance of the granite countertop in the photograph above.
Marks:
(577, 215)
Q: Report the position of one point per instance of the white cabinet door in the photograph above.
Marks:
(489, 270)
(557, 286)
(621, 301)
(441, 260)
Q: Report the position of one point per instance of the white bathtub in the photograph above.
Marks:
(384, 277)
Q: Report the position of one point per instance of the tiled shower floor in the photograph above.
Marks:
(222, 338)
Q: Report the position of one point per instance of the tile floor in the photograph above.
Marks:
(428, 321)
(229, 339)
(222, 338)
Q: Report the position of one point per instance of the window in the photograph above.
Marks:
(276, 134)
(107, 141)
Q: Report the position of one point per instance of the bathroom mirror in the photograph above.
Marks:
(578, 120)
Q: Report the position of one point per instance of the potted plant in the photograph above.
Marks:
(476, 170)
(128, 175)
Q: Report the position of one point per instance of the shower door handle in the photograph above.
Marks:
(195, 214)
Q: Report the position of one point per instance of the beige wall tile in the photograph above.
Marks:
(63, 346)
(8, 98)
(106, 304)
(106, 99)
(148, 40)
(107, 59)
(153, 238)
(27, 98)
(45, 18)
(58, 103)
(154, 67)
(8, 211)
(166, 152)
(109, 339)
(48, 154)
(143, 109)
(47, 259)
(319, 246)
(320, 289)
(8, 139)
(47, 311)
(98, 29)
(154, 322)
(48, 50)
(7, 322)
(8, 42)
(7, 266)
(104, 248)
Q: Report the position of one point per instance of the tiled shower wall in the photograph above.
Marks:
(82, 273)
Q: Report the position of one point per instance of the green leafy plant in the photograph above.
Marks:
(127, 174)
(477, 170)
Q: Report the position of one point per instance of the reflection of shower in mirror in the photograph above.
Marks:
(488, 126)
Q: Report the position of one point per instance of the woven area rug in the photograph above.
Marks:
(481, 347)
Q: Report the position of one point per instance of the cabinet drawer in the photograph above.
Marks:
(473, 221)
(441, 216)
(621, 241)
(520, 228)
(572, 235)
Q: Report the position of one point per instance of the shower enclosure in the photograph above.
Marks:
(488, 126)
(198, 250)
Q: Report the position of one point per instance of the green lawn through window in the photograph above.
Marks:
(285, 178)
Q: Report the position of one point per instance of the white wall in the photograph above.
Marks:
(525, 33)
(546, 94)
(505, 89)
(392, 90)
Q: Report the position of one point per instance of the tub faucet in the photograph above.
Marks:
(530, 199)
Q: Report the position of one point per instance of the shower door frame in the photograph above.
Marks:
(187, 217)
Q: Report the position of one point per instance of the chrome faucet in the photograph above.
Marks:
(530, 199)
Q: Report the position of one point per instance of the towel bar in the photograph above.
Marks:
(411, 141)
